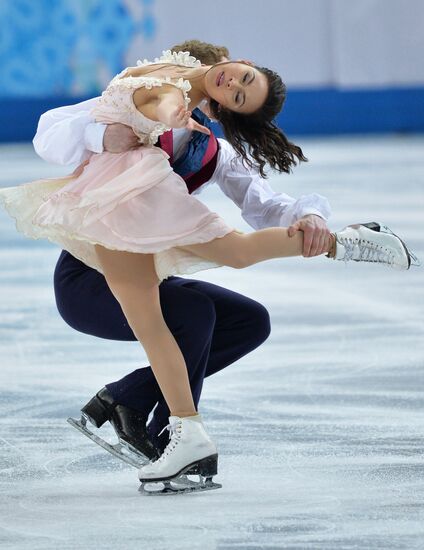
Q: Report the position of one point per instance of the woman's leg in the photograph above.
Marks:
(243, 249)
(132, 279)
(242, 325)
(198, 313)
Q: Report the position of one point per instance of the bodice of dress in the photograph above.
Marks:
(116, 102)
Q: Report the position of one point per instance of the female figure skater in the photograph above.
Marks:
(129, 216)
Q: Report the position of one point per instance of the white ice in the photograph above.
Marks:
(320, 430)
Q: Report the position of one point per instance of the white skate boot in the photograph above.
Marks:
(190, 451)
(370, 242)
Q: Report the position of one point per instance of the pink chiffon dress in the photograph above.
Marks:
(131, 201)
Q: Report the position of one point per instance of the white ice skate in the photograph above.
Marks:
(372, 242)
(189, 451)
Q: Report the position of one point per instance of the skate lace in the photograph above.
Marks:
(368, 251)
(175, 435)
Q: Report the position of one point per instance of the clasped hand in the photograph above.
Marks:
(316, 235)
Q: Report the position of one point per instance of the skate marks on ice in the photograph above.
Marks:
(319, 431)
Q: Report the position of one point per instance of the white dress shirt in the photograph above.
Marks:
(69, 135)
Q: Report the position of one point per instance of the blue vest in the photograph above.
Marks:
(198, 163)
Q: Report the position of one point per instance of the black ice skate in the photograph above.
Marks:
(131, 448)
(179, 484)
(129, 426)
(117, 450)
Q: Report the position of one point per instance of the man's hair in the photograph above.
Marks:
(208, 54)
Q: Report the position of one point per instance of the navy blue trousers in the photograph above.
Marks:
(213, 326)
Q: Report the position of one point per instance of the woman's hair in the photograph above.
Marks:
(256, 134)
(251, 134)
(208, 54)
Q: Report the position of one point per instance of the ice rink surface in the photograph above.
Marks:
(320, 430)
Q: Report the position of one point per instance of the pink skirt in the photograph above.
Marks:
(130, 201)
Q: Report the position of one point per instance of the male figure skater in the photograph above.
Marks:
(213, 326)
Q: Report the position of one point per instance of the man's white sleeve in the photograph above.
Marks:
(68, 135)
(260, 205)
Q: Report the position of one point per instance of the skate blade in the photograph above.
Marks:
(115, 450)
(178, 485)
(133, 450)
(414, 260)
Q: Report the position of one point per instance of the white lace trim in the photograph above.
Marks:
(146, 81)
(179, 58)
(149, 81)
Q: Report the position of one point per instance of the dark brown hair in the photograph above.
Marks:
(257, 134)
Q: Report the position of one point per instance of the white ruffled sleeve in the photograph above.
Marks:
(69, 135)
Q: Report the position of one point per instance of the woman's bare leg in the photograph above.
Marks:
(243, 249)
(133, 281)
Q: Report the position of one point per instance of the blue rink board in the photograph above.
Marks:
(307, 112)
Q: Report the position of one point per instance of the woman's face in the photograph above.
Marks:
(237, 86)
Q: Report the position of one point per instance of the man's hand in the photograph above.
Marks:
(316, 235)
(119, 138)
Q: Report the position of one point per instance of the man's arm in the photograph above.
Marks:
(69, 135)
(262, 207)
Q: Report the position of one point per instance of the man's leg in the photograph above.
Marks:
(86, 303)
(213, 326)
(242, 325)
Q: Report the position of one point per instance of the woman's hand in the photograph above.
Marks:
(169, 108)
(181, 118)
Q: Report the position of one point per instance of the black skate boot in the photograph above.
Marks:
(129, 424)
